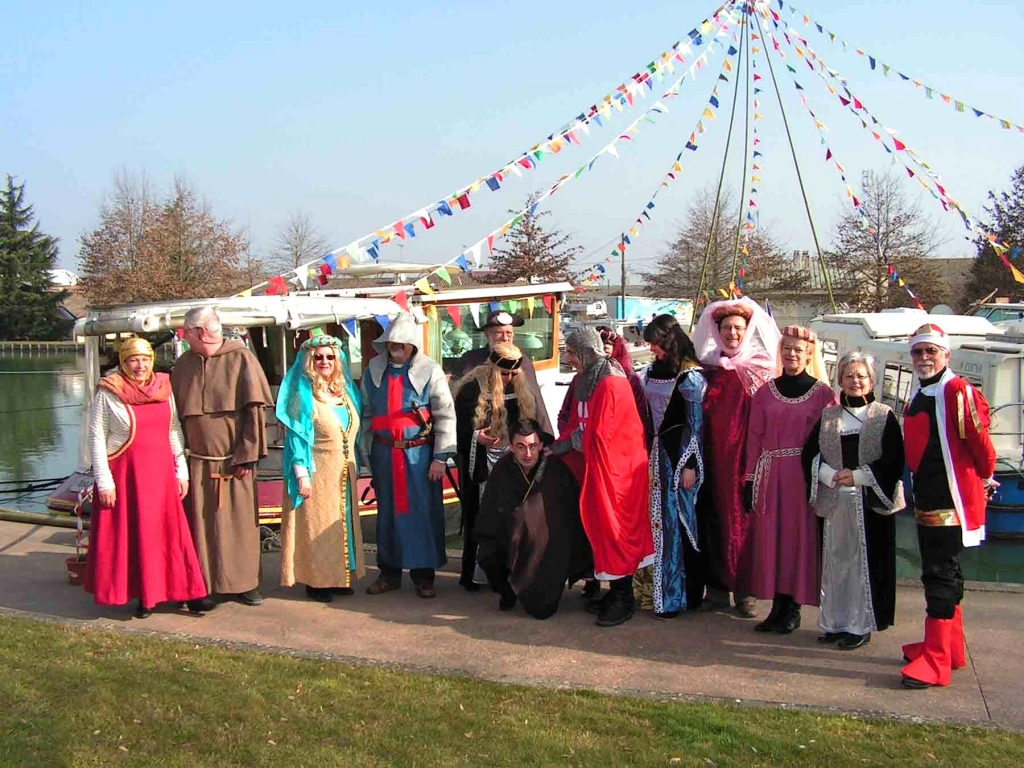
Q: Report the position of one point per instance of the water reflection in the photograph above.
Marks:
(40, 421)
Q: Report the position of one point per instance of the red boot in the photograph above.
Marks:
(932, 667)
(957, 651)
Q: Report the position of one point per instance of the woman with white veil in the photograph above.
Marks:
(736, 341)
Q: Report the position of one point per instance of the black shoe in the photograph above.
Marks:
(469, 586)
(831, 637)
(320, 595)
(618, 610)
(252, 597)
(508, 598)
(596, 605)
(773, 617)
(914, 684)
(591, 589)
(790, 620)
(141, 611)
(666, 615)
(202, 605)
(346, 591)
(853, 642)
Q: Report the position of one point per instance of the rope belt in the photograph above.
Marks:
(221, 479)
(193, 455)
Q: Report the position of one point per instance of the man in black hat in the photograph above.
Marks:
(499, 329)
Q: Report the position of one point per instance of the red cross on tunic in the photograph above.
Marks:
(395, 422)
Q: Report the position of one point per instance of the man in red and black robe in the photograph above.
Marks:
(951, 457)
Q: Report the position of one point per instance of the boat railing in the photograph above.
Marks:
(994, 411)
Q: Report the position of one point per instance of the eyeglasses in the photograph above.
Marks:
(856, 377)
(320, 358)
(924, 351)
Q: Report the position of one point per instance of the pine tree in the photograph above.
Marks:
(533, 253)
(988, 272)
(28, 301)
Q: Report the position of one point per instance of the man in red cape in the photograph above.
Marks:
(603, 445)
(952, 460)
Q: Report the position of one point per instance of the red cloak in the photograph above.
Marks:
(613, 476)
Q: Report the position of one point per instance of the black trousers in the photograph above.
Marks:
(940, 569)
(394, 575)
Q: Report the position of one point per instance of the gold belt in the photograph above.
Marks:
(937, 518)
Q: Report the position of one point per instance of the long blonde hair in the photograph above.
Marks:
(490, 410)
(336, 384)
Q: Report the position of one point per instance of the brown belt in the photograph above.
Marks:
(402, 444)
(937, 518)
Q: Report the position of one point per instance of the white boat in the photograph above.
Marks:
(991, 357)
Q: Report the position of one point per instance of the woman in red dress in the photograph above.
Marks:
(736, 342)
(140, 547)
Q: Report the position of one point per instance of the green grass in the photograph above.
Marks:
(74, 697)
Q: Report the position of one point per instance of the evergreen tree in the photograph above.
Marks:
(988, 272)
(28, 301)
(533, 252)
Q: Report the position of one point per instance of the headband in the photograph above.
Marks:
(321, 340)
(505, 363)
(134, 347)
(799, 332)
(720, 313)
(930, 334)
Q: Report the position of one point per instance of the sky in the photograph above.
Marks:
(360, 113)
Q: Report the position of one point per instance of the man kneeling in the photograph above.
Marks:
(531, 539)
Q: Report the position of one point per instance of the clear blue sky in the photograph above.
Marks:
(361, 112)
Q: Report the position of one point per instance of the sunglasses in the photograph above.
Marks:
(320, 358)
(920, 352)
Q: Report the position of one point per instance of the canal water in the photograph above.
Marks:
(40, 424)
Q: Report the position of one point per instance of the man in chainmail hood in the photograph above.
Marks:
(603, 445)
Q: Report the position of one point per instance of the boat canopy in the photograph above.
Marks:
(900, 326)
(294, 311)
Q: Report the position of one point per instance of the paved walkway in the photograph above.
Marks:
(698, 655)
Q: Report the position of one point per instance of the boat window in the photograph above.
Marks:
(830, 353)
(459, 332)
(897, 384)
(1001, 315)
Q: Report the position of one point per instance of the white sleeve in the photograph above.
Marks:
(300, 471)
(99, 423)
(178, 445)
(860, 478)
(827, 475)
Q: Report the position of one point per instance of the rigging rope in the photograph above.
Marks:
(745, 26)
(796, 164)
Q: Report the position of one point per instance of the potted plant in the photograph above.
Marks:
(76, 563)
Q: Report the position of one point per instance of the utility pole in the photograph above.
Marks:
(622, 262)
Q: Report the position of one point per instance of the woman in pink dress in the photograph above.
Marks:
(785, 544)
(140, 546)
(736, 342)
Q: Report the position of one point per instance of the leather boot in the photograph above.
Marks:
(932, 667)
(957, 649)
(790, 618)
(771, 621)
(620, 606)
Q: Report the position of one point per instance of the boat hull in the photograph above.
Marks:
(270, 491)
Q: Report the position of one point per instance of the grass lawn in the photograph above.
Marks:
(72, 697)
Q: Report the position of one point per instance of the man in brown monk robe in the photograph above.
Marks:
(221, 391)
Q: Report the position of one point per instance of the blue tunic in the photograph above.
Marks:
(412, 538)
(673, 508)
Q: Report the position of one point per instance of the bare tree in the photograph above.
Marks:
(892, 231)
(764, 267)
(146, 249)
(298, 242)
